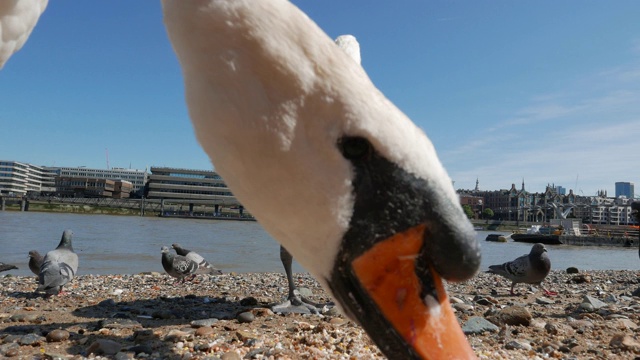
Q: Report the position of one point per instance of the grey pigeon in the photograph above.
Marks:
(203, 265)
(35, 261)
(6, 267)
(532, 268)
(59, 266)
(178, 266)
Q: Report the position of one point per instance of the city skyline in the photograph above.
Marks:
(543, 91)
(563, 190)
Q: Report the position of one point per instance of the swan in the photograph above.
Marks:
(329, 167)
(17, 19)
(295, 303)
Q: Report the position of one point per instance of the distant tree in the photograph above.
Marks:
(487, 213)
(468, 211)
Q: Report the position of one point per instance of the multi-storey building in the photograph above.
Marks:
(88, 187)
(521, 205)
(625, 189)
(185, 184)
(19, 179)
(138, 178)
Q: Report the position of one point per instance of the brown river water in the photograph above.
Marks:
(108, 244)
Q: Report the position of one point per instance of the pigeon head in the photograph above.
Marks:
(538, 249)
(65, 242)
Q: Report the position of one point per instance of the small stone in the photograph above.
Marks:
(626, 324)
(597, 304)
(544, 301)
(31, 339)
(5, 348)
(338, 321)
(244, 335)
(625, 342)
(176, 335)
(230, 356)
(304, 291)
(120, 324)
(117, 292)
(463, 307)
(18, 318)
(586, 307)
(204, 331)
(163, 314)
(572, 270)
(57, 335)
(143, 335)
(537, 323)
(12, 353)
(512, 315)
(517, 345)
(143, 348)
(581, 324)
(124, 356)
(204, 347)
(246, 317)
(332, 311)
(104, 347)
(581, 279)
(478, 325)
(203, 322)
(249, 301)
(258, 312)
(32, 318)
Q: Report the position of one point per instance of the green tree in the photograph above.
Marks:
(487, 213)
(467, 210)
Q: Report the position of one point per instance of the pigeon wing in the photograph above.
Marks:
(514, 270)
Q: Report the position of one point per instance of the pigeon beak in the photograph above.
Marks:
(417, 307)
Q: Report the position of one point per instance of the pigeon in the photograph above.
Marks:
(178, 266)
(59, 266)
(531, 268)
(35, 261)
(203, 265)
(6, 267)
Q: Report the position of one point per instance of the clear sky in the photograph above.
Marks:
(545, 91)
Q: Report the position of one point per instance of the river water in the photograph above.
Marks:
(109, 244)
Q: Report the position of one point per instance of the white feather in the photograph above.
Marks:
(270, 94)
(17, 20)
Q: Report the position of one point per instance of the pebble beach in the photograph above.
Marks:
(596, 315)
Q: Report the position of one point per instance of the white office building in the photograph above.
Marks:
(136, 177)
(18, 178)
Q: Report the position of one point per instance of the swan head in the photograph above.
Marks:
(329, 167)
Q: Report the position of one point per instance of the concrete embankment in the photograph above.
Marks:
(598, 241)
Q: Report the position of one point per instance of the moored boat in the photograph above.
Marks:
(497, 238)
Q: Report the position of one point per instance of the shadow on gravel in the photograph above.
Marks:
(128, 326)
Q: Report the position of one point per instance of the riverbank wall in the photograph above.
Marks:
(126, 207)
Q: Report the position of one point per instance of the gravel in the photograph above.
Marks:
(596, 315)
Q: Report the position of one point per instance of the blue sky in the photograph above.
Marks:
(544, 91)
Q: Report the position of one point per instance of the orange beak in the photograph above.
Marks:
(388, 273)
